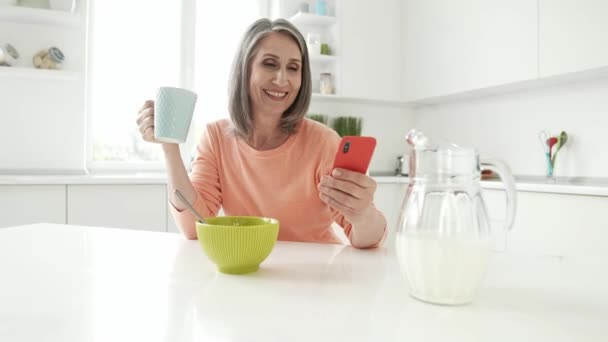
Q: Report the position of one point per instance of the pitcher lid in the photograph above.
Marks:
(444, 158)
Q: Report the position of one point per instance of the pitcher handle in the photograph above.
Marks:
(503, 171)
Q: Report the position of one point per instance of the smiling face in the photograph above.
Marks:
(275, 74)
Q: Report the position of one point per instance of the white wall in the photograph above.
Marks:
(506, 126)
(388, 123)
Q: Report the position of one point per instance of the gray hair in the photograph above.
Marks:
(239, 105)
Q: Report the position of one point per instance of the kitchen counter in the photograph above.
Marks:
(74, 283)
(563, 185)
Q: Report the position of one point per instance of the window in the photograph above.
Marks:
(137, 46)
(219, 28)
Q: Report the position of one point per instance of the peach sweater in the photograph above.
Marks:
(279, 183)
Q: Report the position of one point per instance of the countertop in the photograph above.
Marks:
(562, 185)
(74, 283)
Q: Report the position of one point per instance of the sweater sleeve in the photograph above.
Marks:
(205, 179)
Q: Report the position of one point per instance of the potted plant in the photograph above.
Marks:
(318, 117)
(347, 125)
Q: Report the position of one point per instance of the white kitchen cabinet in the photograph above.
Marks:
(573, 35)
(141, 207)
(554, 224)
(388, 199)
(457, 46)
(370, 46)
(27, 204)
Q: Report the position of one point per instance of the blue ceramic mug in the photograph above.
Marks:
(173, 112)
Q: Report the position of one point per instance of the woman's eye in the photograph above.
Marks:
(269, 64)
(293, 68)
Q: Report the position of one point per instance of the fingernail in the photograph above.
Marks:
(337, 172)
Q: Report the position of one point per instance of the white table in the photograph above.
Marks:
(71, 283)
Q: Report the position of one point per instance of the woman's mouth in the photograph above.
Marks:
(275, 95)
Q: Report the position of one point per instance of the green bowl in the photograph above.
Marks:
(237, 244)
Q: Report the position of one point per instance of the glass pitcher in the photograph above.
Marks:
(444, 235)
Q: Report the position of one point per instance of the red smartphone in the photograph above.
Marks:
(355, 153)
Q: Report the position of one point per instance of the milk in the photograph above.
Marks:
(443, 270)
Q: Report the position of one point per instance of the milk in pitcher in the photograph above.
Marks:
(446, 270)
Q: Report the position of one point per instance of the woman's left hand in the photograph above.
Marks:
(349, 192)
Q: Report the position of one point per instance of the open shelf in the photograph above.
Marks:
(27, 15)
(362, 100)
(501, 89)
(19, 72)
(322, 58)
(312, 19)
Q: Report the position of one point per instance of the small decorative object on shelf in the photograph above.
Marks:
(321, 7)
(313, 42)
(50, 58)
(325, 49)
(551, 145)
(326, 84)
(8, 55)
(304, 8)
(347, 125)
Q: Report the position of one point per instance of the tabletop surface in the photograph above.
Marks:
(74, 283)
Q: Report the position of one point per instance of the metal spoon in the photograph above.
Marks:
(188, 205)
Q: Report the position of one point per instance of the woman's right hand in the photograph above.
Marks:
(145, 122)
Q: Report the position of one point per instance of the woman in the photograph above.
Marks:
(268, 159)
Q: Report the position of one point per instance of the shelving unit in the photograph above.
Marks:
(27, 15)
(325, 27)
(42, 74)
(310, 19)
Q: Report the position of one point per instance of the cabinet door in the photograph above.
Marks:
(554, 224)
(573, 35)
(27, 204)
(388, 199)
(371, 55)
(142, 207)
(456, 46)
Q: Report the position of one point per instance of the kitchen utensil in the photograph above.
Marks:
(564, 138)
(542, 136)
(189, 206)
(237, 244)
(561, 140)
(444, 234)
(551, 142)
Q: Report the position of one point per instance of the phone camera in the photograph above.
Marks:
(346, 147)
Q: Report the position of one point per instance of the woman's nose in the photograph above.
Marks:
(280, 78)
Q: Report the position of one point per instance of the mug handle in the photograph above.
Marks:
(505, 175)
